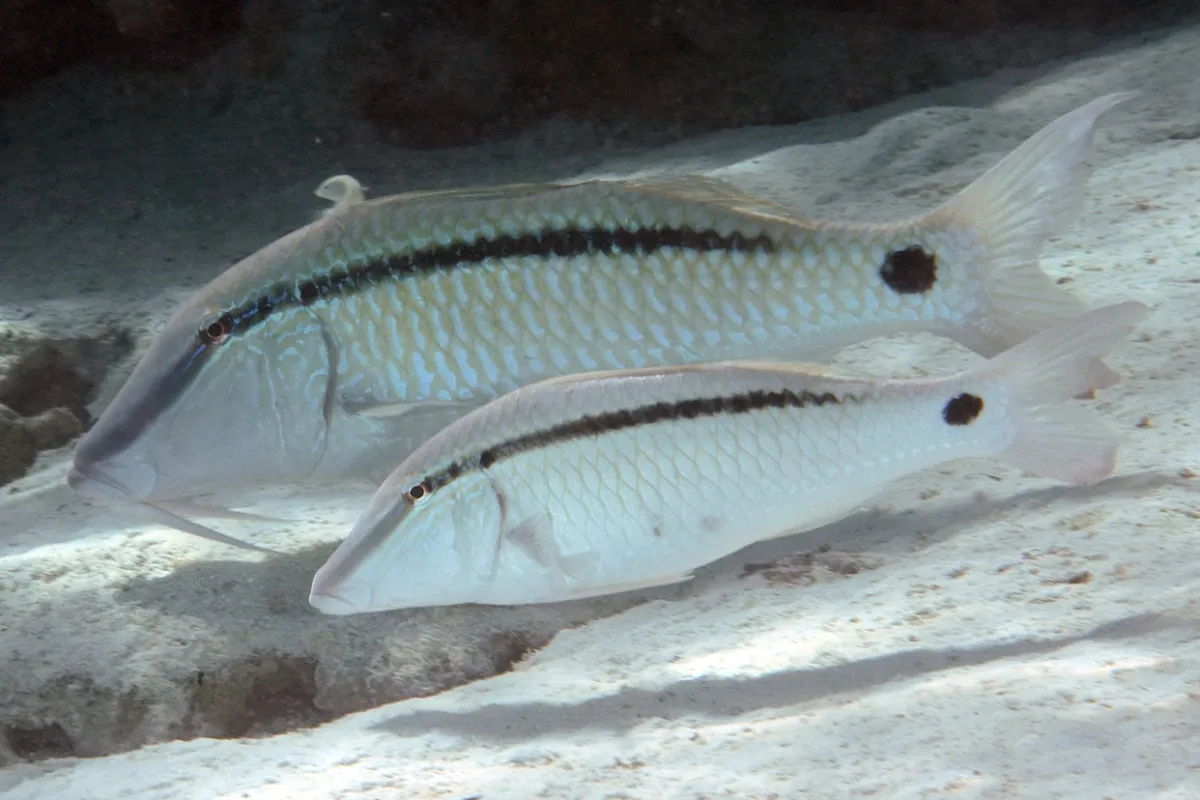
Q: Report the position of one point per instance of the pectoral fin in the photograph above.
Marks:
(412, 422)
(364, 408)
(535, 538)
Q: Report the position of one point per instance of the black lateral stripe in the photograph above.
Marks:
(611, 421)
(551, 243)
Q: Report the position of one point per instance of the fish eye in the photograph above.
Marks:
(418, 491)
(217, 331)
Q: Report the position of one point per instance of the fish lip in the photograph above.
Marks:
(335, 591)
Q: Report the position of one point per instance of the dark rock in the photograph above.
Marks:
(171, 34)
(434, 73)
(18, 451)
(45, 391)
(266, 24)
(39, 37)
(76, 717)
(259, 696)
(983, 15)
(53, 429)
(45, 377)
(64, 373)
(38, 742)
(436, 79)
(441, 91)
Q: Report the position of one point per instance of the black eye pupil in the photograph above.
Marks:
(417, 492)
(217, 329)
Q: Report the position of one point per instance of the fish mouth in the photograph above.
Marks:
(339, 587)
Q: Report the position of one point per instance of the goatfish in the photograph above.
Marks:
(336, 350)
(600, 483)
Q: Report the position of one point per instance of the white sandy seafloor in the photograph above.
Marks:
(974, 633)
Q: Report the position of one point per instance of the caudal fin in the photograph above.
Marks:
(1055, 438)
(1008, 213)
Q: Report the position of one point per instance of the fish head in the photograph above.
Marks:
(419, 543)
(221, 399)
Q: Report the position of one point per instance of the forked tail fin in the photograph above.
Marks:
(1055, 438)
(1009, 212)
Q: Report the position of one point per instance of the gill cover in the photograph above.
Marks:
(212, 406)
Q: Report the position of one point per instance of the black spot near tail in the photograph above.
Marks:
(963, 410)
(912, 270)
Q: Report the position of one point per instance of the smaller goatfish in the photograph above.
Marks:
(606, 482)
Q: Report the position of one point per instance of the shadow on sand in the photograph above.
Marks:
(731, 697)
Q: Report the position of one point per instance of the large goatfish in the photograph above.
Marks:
(308, 359)
(592, 484)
